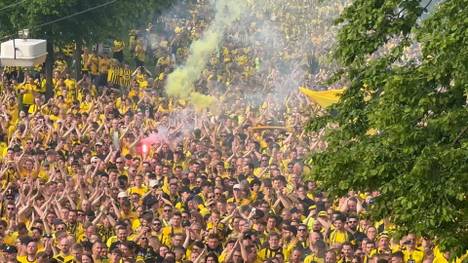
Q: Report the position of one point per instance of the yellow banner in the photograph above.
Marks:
(119, 76)
(323, 98)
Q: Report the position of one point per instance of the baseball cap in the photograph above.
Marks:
(236, 186)
(153, 182)
(122, 195)
(383, 235)
(10, 249)
(322, 213)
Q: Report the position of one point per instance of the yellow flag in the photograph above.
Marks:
(323, 98)
(110, 75)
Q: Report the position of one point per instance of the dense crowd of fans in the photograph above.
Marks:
(101, 172)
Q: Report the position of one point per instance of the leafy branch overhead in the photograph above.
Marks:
(113, 20)
(407, 80)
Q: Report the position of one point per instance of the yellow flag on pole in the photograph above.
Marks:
(323, 98)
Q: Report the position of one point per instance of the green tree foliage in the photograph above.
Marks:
(418, 160)
(79, 21)
(112, 20)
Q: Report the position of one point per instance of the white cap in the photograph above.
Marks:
(152, 183)
(122, 195)
(236, 186)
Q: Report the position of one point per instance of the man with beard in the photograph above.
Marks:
(272, 248)
(213, 245)
(352, 227)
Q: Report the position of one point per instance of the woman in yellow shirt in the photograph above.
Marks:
(87, 104)
(28, 89)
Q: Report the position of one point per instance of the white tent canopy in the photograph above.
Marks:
(23, 52)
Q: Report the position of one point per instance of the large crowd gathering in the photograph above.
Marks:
(104, 172)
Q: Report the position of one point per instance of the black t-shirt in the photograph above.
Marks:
(358, 236)
(148, 254)
(307, 202)
(216, 250)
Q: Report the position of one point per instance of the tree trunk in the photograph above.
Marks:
(77, 58)
(49, 68)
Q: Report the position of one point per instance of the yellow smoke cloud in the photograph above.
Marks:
(200, 101)
(180, 82)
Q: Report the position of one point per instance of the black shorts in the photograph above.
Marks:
(102, 80)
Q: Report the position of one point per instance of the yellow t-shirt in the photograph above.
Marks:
(311, 258)
(43, 175)
(70, 83)
(85, 106)
(33, 108)
(440, 259)
(138, 190)
(28, 96)
(65, 259)
(42, 86)
(337, 237)
(3, 150)
(267, 253)
(24, 259)
(416, 255)
(167, 233)
(9, 240)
